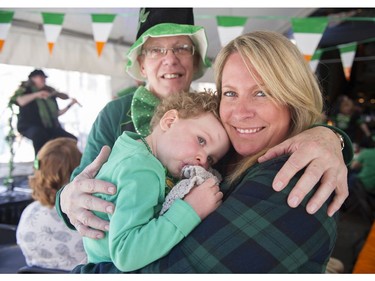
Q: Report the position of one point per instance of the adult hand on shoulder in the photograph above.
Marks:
(320, 150)
(77, 201)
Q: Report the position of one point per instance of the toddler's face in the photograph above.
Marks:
(199, 141)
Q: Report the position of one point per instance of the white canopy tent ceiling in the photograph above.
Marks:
(75, 47)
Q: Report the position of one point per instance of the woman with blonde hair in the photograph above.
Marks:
(42, 236)
(267, 94)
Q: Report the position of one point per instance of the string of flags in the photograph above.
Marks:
(307, 34)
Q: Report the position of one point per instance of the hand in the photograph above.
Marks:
(42, 94)
(205, 198)
(320, 150)
(76, 199)
(75, 101)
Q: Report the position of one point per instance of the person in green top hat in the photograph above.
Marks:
(168, 54)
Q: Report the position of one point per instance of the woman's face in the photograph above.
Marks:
(168, 74)
(251, 119)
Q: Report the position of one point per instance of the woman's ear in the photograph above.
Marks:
(140, 60)
(170, 117)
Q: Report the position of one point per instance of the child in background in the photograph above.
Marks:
(185, 131)
(43, 237)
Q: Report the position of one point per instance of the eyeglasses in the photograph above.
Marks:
(179, 51)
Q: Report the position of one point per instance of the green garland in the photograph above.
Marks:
(10, 138)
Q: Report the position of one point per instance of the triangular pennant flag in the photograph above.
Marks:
(5, 22)
(230, 27)
(52, 23)
(307, 33)
(101, 25)
(347, 53)
(315, 59)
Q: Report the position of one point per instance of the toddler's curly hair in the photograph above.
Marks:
(188, 105)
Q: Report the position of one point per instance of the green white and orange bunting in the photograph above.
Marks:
(347, 53)
(5, 23)
(101, 26)
(52, 23)
(230, 27)
(307, 33)
(315, 59)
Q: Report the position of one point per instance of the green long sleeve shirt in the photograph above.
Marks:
(137, 235)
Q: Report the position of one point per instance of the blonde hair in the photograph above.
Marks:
(188, 105)
(56, 161)
(281, 71)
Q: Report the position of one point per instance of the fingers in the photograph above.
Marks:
(278, 150)
(295, 163)
(85, 185)
(91, 170)
(88, 232)
(326, 187)
(342, 192)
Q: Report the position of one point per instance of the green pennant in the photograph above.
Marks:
(309, 25)
(6, 16)
(229, 21)
(318, 53)
(350, 47)
(105, 18)
(53, 18)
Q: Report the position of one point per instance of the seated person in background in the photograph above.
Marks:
(186, 131)
(43, 238)
(349, 120)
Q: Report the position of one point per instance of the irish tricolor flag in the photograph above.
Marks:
(307, 33)
(5, 22)
(102, 26)
(230, 27)
(347, 53)
(52, 23)
(315, 59)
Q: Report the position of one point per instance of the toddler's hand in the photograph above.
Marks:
(205, 198)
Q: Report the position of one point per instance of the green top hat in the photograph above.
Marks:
(159, 22)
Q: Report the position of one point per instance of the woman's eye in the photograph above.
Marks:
(201, 141)
(260, 94)
(229, 94)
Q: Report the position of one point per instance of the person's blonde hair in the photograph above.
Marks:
(281, 71)
(56, 161)
(188, 105)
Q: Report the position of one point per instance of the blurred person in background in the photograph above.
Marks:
(44, 239)
(348, 119)
(39, 111)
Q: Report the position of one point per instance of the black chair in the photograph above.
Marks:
(40, 270)
(7, 233)
(363, 201)
(11, 258)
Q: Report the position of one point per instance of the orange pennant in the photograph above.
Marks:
(99, 47)
(50, 47)
(1, 44)
(307, 57)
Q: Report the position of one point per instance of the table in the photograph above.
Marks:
(12, 204)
